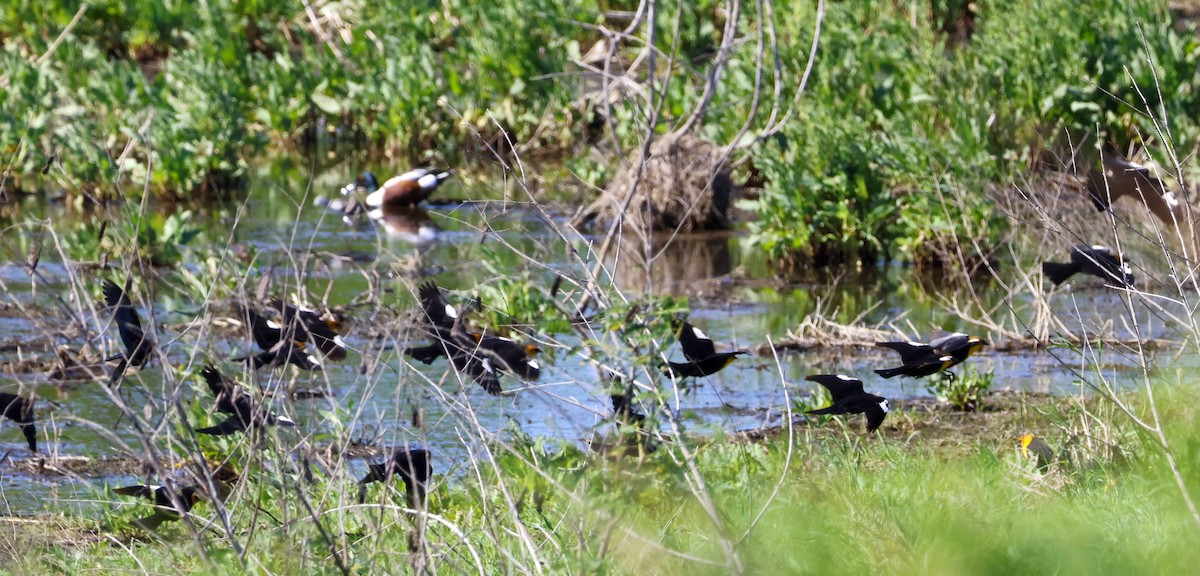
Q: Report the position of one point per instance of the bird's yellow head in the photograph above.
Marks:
(532, 349)
(975, 344)
(1025, 440)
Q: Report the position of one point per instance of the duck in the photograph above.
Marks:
(407, 189)
(232, 399)
(408, 464)
(850, 398)
(1097, 260)
(918, 359)
(701, 353)
(20, 410)
(138, 346)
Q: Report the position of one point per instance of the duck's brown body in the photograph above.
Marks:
(408, 189)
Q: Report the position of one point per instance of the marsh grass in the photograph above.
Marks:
(937, 491)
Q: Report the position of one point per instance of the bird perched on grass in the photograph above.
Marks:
(281, 344)
(169, 504)
(701, 353)
(849, 398)
(138, 346)
(410, 465)
(480, 355)
(245, 413)
(1037, 449)
(940, 355)
(408, 189)
(20, 410)
(1099, 261)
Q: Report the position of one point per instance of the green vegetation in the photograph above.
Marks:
(904, 120)
(913, 501)
(963, 392)
(900, 132)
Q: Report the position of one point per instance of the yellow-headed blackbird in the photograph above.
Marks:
(939, 355)
(20, 410)
(244, 413)
(408, 189)
(308, 326)
(168, 504)
(281, 344)
(138, 346)
(849, 398)
(701, 353)
(410, 465)
(1036, 448)
(1099, 261)
(479, 356)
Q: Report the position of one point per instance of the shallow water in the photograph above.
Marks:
(737, 300)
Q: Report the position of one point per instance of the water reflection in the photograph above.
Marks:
(672, 264)
(408, 223)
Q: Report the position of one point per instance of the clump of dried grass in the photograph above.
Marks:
(684, 185)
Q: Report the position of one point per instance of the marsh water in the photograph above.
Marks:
(734, 295)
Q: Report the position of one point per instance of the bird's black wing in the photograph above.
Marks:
(20, 410)
(875, 413)
(426, 354)
(840, 386)
(230, 425)
(266, 333)
(950, 343)
(140, 491)
(513, 357)
(129, 325)
(695, 343)
(910, 352)
(439, 312)
(217, 382)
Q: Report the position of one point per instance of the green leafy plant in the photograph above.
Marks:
(964, 392)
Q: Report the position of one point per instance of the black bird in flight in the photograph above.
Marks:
(232, 399)
(20, 410)
(138, 346)
(507, 355)
(941, 354)
(410, 465)
(701, 353)
(280, 344)
(849, 398)
(1099, 261)
(169, 504)
(308, 326)
(451, 339)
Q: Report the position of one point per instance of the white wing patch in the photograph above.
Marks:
(699, 333)
(846, 378)
(451, 312)
(338, 340)
(272, 325)
(883, 405)
(284, 420)
(534, 364)
(487, 366)
(428, 181)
